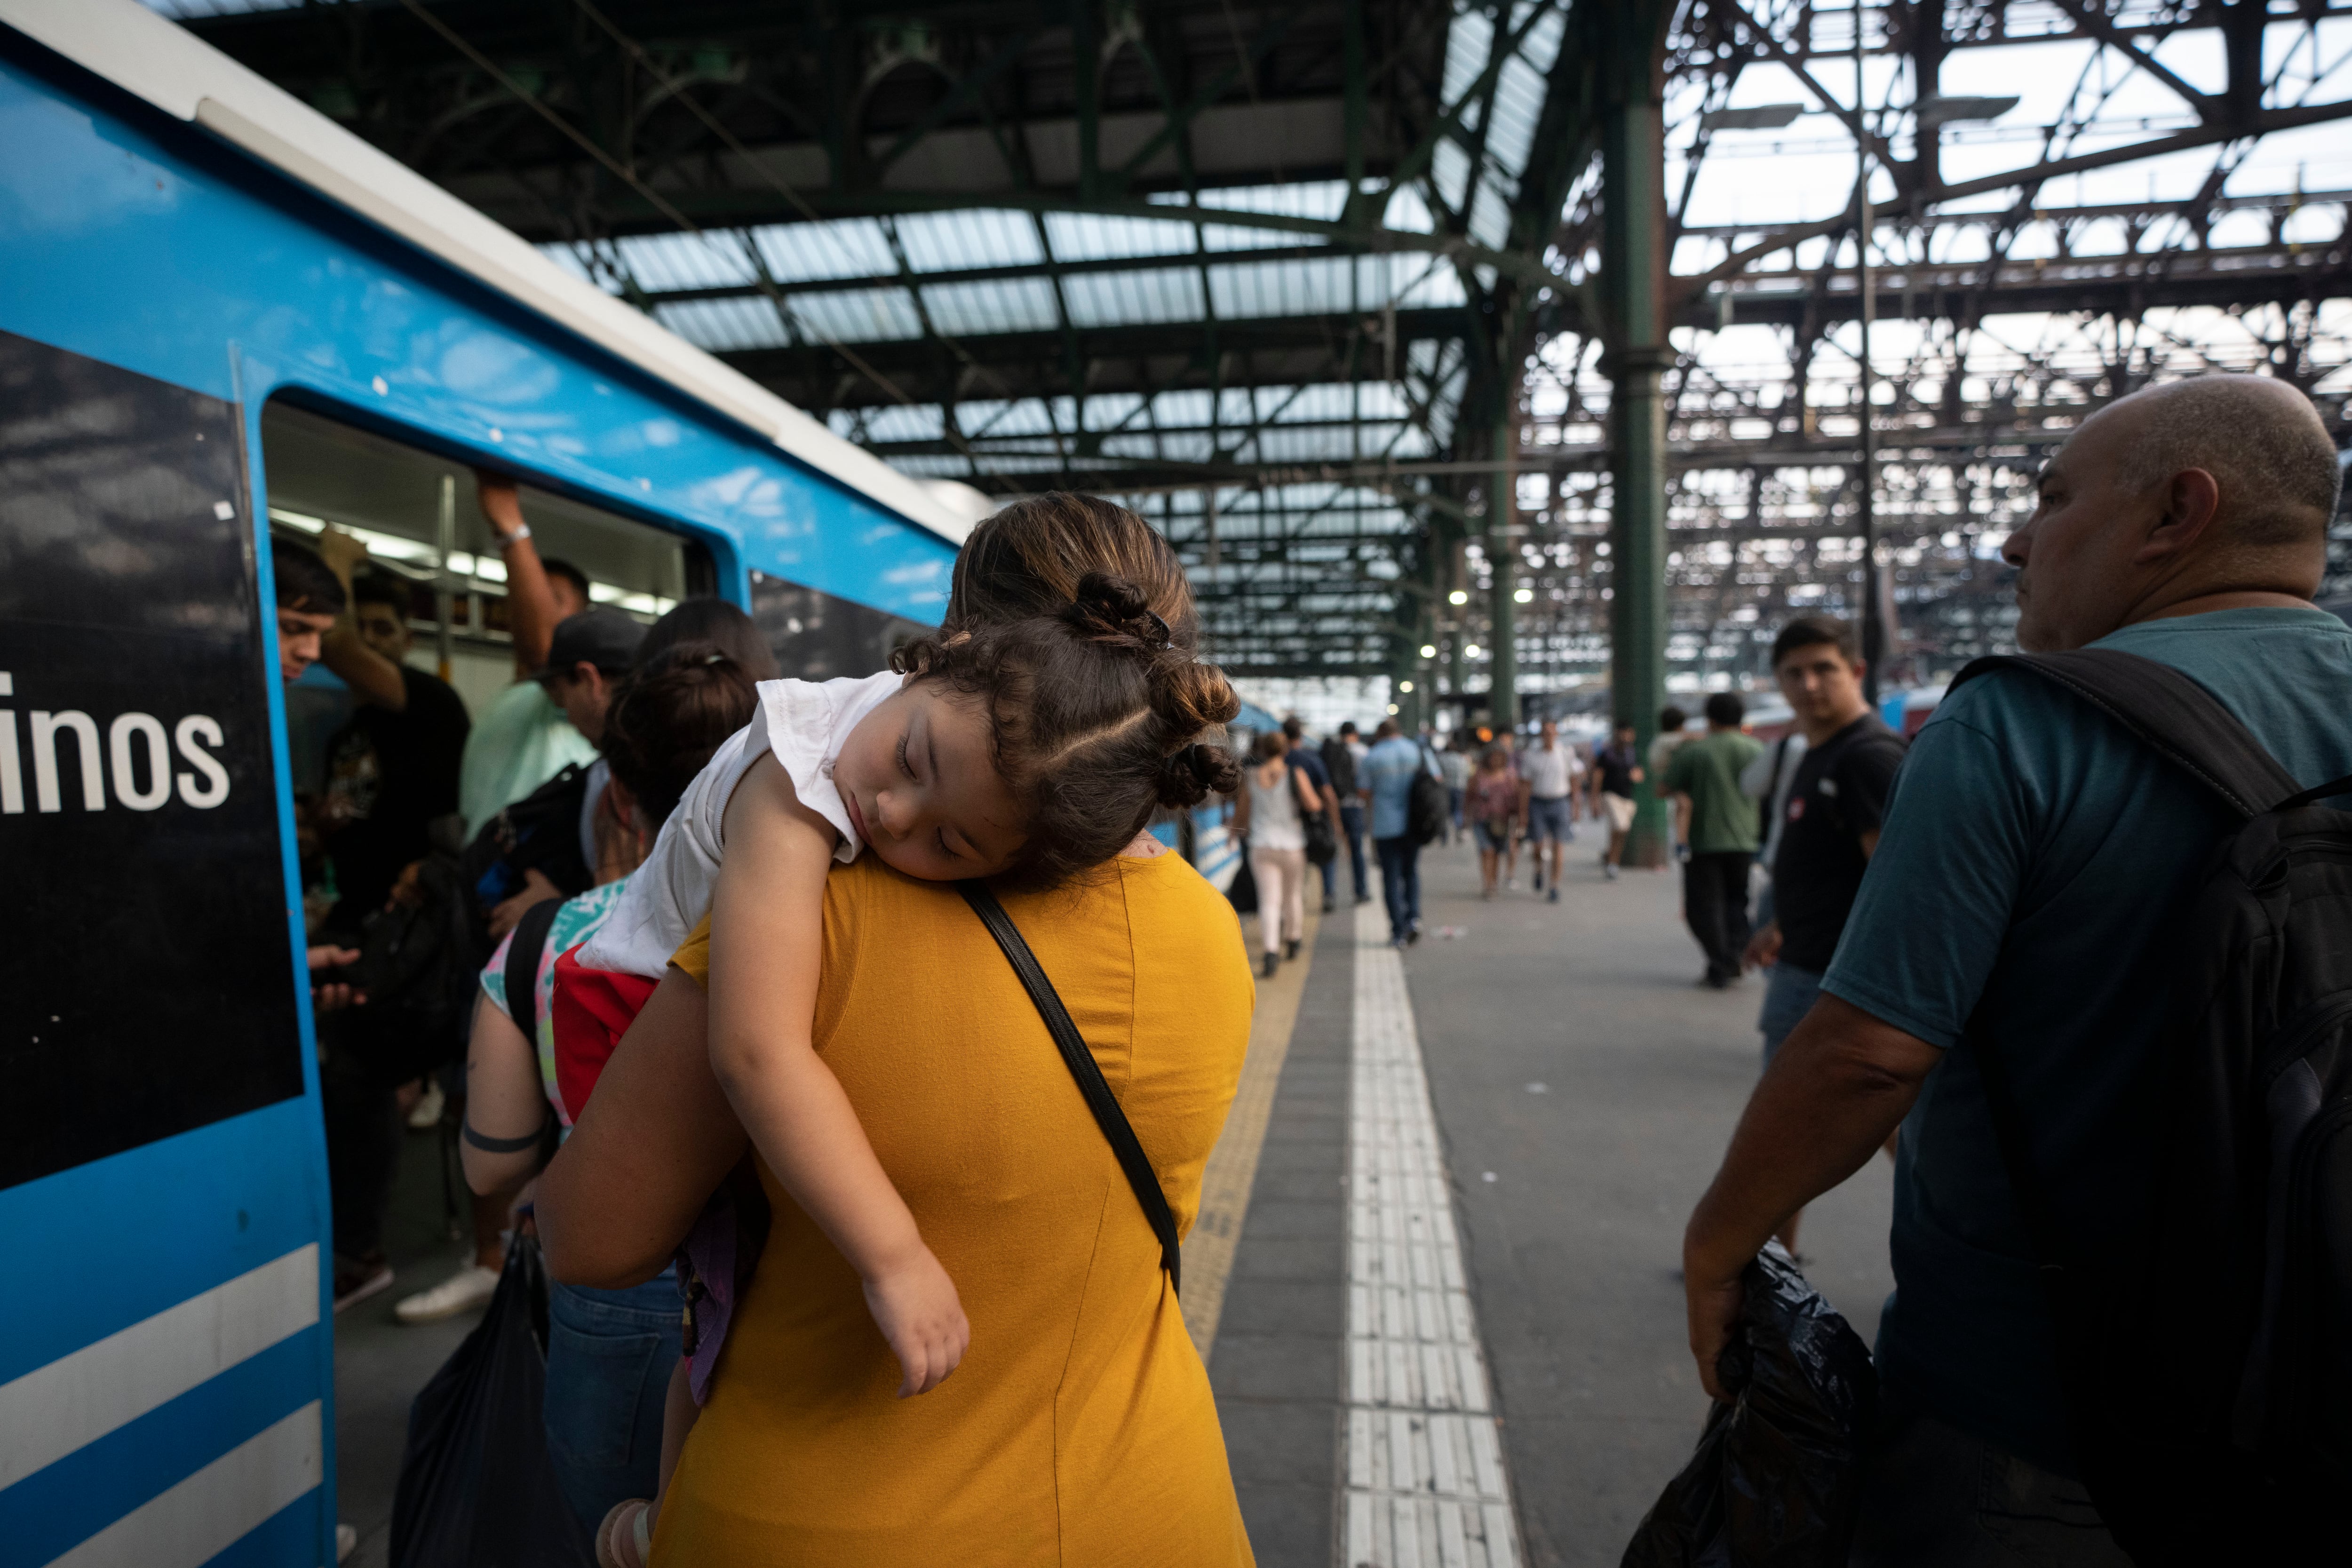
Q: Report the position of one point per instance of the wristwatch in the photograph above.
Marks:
(522, 532)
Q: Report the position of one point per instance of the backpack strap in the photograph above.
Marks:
(522, 966)
(2172, 714)
(1081, 1063)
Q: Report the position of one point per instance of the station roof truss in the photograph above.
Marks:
(1281, 275)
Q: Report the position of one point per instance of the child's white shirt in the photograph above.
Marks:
(803, 723)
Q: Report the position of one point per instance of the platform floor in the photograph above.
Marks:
(1367, 1259)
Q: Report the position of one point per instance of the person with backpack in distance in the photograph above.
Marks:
(1341, 754)
(2096, 971)
(1406, 814)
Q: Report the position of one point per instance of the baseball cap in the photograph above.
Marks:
(600, 635)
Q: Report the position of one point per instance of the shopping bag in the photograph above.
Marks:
(1779, 1469)
(476, 1488)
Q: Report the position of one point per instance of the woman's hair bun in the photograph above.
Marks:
(1190, 696)
(1196, 772)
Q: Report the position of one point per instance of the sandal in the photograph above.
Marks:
(625, 1538)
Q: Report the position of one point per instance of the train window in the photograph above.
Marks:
(323, 473)
(817, 637)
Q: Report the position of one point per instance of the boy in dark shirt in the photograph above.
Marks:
(390, 771)
(1828, 826)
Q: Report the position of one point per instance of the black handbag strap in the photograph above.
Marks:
(2171, 714)
(523, 967)
(1081, 1063)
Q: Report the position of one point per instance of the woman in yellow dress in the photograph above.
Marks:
(1080, 1428)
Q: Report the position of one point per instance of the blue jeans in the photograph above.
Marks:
(1351, 823)
(1400, 882)
(1788, 996)
(1549, 819)
(609, 1355)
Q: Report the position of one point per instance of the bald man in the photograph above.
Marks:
(2033, 852)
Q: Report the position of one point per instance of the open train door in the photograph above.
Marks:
(165, 1353)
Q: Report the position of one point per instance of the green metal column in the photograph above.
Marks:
(1632, 279)
(1502, 557)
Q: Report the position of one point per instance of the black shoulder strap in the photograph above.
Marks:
(2177, 718)
(522, 966)
(1081, 1063)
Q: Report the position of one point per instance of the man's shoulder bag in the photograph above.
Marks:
(2207, 1364)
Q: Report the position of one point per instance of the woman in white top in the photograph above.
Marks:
(1274, 798)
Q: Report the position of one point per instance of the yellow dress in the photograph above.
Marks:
(1079, 1429)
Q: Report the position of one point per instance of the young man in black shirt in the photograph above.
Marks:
(1616, 768)
(1828, 826)
(392, 767)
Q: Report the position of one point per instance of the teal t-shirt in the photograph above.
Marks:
(521, 740)
(2033, 856)
(1723, 820)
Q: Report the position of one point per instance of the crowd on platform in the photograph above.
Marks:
(742, 997)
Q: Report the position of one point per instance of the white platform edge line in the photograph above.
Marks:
(75, 1400)
(210, 1511)
(1397, 1170)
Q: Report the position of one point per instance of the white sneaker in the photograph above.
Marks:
(467, 1288)
(347, 1540)
(425, 1114)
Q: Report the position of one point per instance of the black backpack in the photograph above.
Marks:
(419, 968)
(2208, 1377)
(1427, 811)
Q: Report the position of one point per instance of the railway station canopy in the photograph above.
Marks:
(1334, 293)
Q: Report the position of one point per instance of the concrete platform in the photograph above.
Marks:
(1583, 1088)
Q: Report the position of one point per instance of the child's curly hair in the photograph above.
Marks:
(1098, 716)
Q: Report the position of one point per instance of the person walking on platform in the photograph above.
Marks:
(1703, 777)
(1270, 816)
(1341, 753)
(1304, 758)
(1829, 826)
(1616, 770)
(1454, 767)
(2011, 943)
(1388, 774)
(1493, 807)
(1549, 770)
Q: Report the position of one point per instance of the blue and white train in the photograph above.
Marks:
(222, 313)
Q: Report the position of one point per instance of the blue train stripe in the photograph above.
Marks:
(204, 1207)
(74, 1499)
(78, 1398)
(212, 1510)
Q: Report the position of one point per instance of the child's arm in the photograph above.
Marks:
(766, 939)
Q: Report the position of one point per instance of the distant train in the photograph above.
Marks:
(222, 314)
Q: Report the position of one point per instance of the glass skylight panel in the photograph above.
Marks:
(1540, 48)
(1114, 299)
(1490, 216)
(858, 315)
(984, 237)
(1449, 171)
(1468, 42)
(997, 305)
(1518, 102)
(1257, 288)
(817, 252)
(1090, 237)
(900, 421)
(569, 259)
(724, 326)
(663, 262)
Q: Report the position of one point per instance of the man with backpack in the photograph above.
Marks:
(2112, 1280)
(1406, 814)
(1340, 754)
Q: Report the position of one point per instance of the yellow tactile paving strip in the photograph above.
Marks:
(1233, 1164)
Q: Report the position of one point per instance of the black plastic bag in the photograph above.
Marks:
(476, 1488)
(1243, 889)
(1779, 1469)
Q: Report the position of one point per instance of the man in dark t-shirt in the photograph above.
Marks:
(390, 772)
(1828, 828)
(1616, 768)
